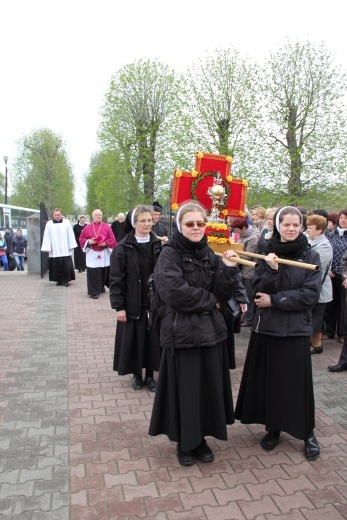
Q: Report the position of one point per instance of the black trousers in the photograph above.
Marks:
(335, 313)
(343, 355)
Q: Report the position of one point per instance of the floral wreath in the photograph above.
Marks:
(226, 185)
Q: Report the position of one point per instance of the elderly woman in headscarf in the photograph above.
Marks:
(137, 346)
(276, 388)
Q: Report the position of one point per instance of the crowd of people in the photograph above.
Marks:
(292, 300)
(13, 250)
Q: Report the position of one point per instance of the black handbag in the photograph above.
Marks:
(234, 307)
(11, 264)
(231, 310)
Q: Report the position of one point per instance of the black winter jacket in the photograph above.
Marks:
(190, 290)
(293, 291)
(125, 281)
(19, 245)
(8, 238)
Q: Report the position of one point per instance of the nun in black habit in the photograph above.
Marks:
(193, 397)
(132, 262)
(276, 388)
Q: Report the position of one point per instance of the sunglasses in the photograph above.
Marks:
(192, 224)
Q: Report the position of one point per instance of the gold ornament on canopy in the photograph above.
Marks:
(217, 193)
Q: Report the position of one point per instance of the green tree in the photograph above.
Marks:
(109, 187)
(146, 128)
(42, 172)
(223, 99)
(303, 147)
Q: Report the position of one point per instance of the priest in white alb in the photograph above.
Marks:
(97, 241)
(59, 241)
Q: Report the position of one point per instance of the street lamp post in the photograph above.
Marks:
(5, 159)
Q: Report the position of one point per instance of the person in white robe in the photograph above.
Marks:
(59, 241)
(97, 241)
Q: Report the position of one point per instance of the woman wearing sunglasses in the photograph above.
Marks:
(193, 397)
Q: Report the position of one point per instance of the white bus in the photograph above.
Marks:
(14, 217)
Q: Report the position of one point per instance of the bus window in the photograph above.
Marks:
(6, 221)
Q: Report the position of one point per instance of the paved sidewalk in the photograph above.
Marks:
(73, 434)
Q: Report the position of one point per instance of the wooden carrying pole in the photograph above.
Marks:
(238, 260)
(313, 267)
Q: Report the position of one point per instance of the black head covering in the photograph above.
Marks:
(291, 250)
(157, 206)
(127, 222)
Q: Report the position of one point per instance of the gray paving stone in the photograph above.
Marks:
(42, 502)
(25, 515)
(5, 444)
(55, 484)
(50, 431)
(62, 472)
(60, 500)
(7, 432)
(53, 440)
(37, 424)
(24, 443)
(11, 477)
(61, 514)
(8, 490)
(21, 462)
(6, 506)
(37, 474)
(53, 461)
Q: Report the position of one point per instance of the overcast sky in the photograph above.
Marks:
(58, 56)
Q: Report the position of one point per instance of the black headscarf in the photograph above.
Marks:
(291, 250)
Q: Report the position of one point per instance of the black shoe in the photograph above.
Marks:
(185, 458)
(150, 383)
(316, 350)
(270, 441)
(95, 297)
(204, 453)
(336, 368)
(58, 283)
(137, 383)
(66, 284)
(311, 447)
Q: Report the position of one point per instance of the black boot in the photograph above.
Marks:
(137, 383)
(311, 447)
(149, 381)
(203, 452)
(269, 442)
(185, 458)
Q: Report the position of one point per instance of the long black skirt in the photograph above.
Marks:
(276, 386)
(80, 259)
(97, 278)
(193, 397)
(61, 269)
(137, 346)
